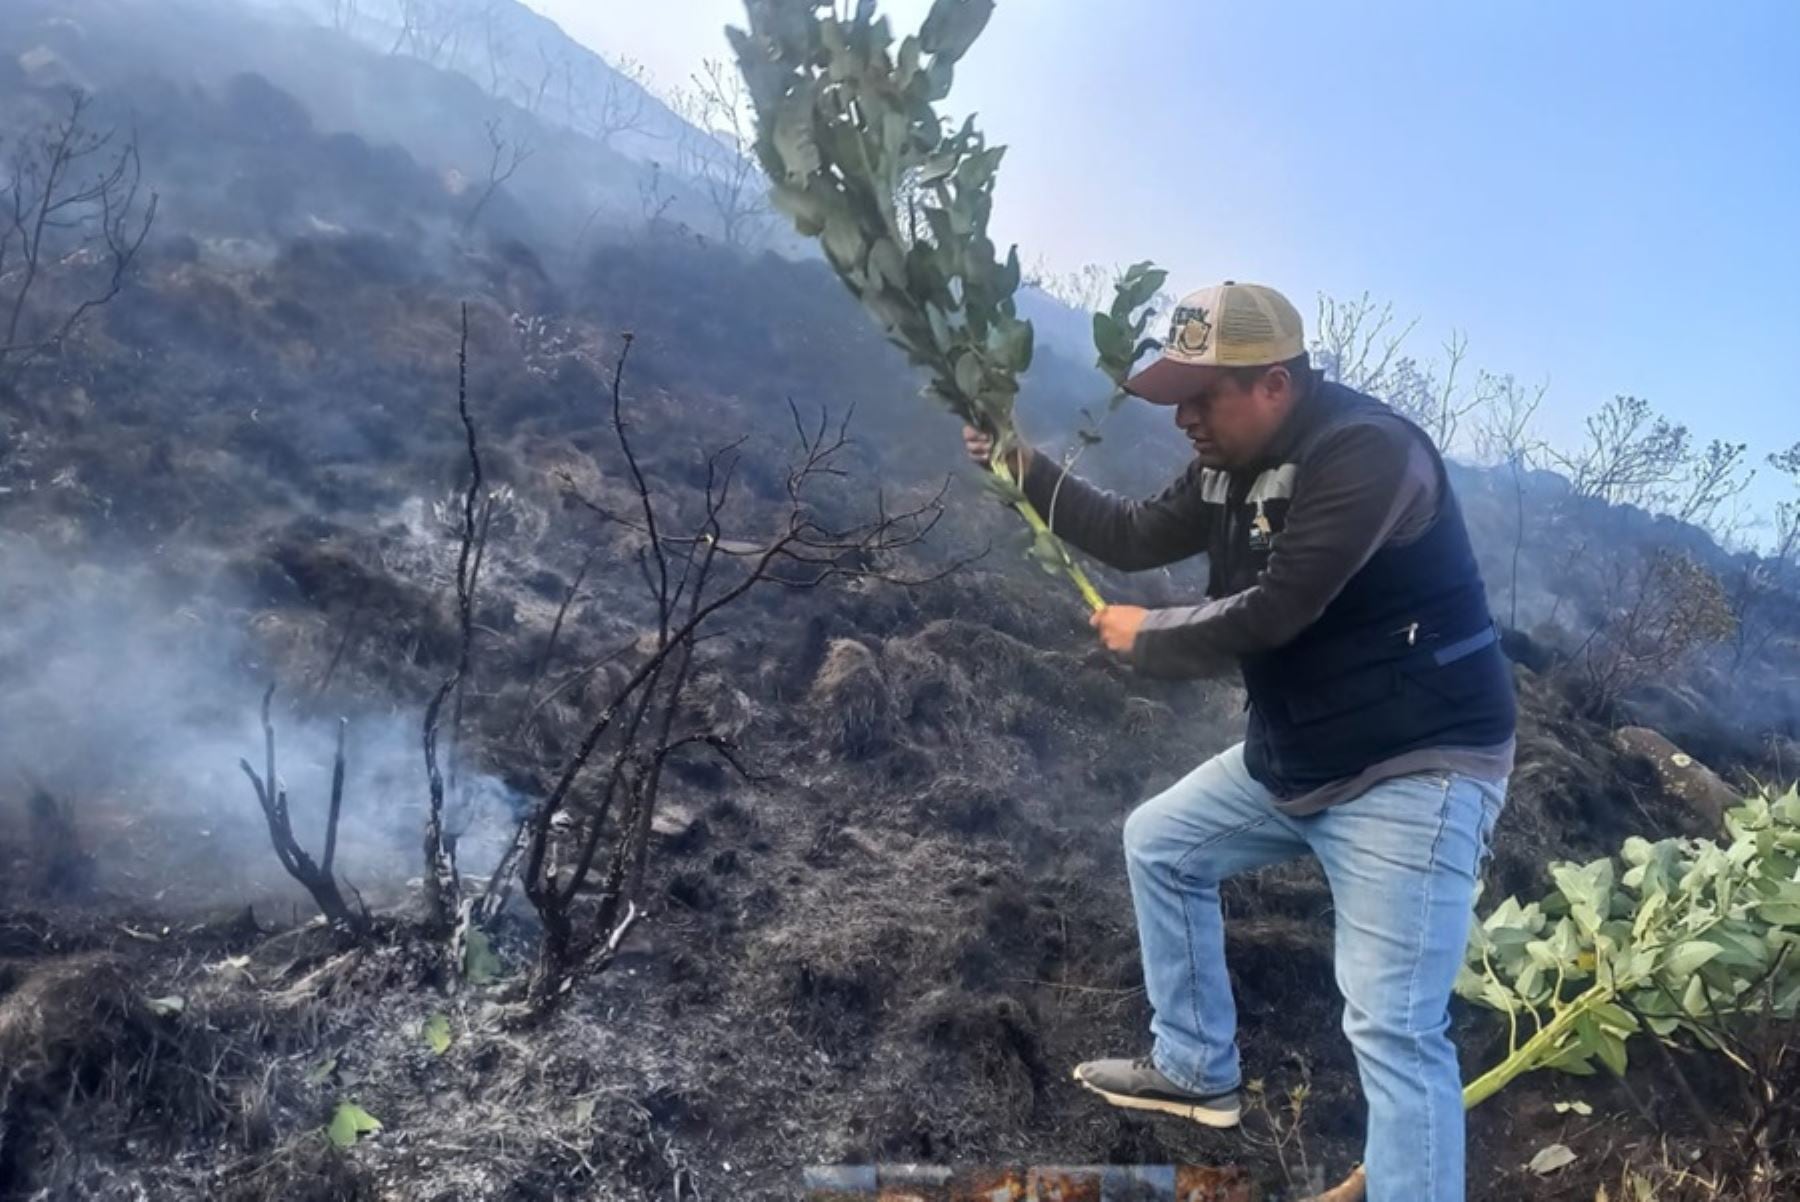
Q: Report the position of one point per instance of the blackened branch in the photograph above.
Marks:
(337, 801)
(443, 884)
(595, 819)
(318, 879)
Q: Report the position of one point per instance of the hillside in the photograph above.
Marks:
(885, 940)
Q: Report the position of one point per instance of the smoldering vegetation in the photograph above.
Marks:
(884, 925)
(130, 700)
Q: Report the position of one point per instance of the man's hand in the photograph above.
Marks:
(980, 446)
(1118, 626)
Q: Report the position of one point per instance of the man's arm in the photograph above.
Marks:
(1129, 535)
(1369, 482)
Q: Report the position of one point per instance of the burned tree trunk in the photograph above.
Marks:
(319, 878)
(443, 882)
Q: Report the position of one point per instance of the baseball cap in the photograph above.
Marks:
(1227, 325)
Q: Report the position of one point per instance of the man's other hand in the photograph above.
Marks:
(1118, 626)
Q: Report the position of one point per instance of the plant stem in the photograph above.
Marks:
(1535, 1049)
(1089, 593)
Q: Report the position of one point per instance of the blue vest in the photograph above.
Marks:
(1404, 658)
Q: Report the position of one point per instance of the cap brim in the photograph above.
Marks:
(1168, 381)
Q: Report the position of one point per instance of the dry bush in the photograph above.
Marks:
(832, 983)
(990, 1053)
(1632, 456)
(1657, 612)
(79, 1044)
(933, 696)
(850, 699)
(69, 199)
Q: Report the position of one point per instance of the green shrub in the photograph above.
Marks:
(1673, 939)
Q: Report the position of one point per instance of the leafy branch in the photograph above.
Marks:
(859, 158)
(1691, 933)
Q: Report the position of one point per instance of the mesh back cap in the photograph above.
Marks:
(1234, 325)
(1226, 325)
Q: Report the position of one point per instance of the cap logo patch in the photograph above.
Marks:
(1190, 330)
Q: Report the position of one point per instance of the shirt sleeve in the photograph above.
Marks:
(1130, 535)
(1363, 484)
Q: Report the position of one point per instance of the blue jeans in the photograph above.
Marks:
(1402, 861)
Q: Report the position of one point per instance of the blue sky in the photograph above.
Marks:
(1602, 194)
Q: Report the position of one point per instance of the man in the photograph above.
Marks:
(1380, 728)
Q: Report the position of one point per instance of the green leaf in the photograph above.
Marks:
(349, 1123)
(1693, 998)
(1687, 958)
(977, 170)
(1610, 1048)
(1779, 913)
(321, 1072)
(1615, 1017)
(939, 77)
(480, 965)
(805, 209)
(1135, 289)
(952, 27)
(1006, 279)
(1009, 342)
(940, 328)
(437, 1034)
(886, 264)
(843, 241)
(793, 136)
(907, 66)
(1531, 981)
(968, 374)
(1110, 339)
(938, 167)
(1573, 1059)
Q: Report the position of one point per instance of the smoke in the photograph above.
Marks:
(129, 698)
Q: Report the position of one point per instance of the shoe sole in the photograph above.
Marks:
(1206, 1116)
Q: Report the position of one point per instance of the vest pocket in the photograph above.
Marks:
(1463, 681)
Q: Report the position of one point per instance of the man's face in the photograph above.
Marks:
(1228, 422)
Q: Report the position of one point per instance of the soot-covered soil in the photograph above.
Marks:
(892, 947)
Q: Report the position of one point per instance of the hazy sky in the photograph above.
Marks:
(1601, 193)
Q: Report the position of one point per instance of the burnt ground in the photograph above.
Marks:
(892, 947)
(891, 954)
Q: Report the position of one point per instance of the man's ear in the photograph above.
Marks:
(1277, 383)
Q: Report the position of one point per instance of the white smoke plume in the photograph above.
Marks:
(130, 700)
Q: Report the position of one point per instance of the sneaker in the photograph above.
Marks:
(1139, 1085)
